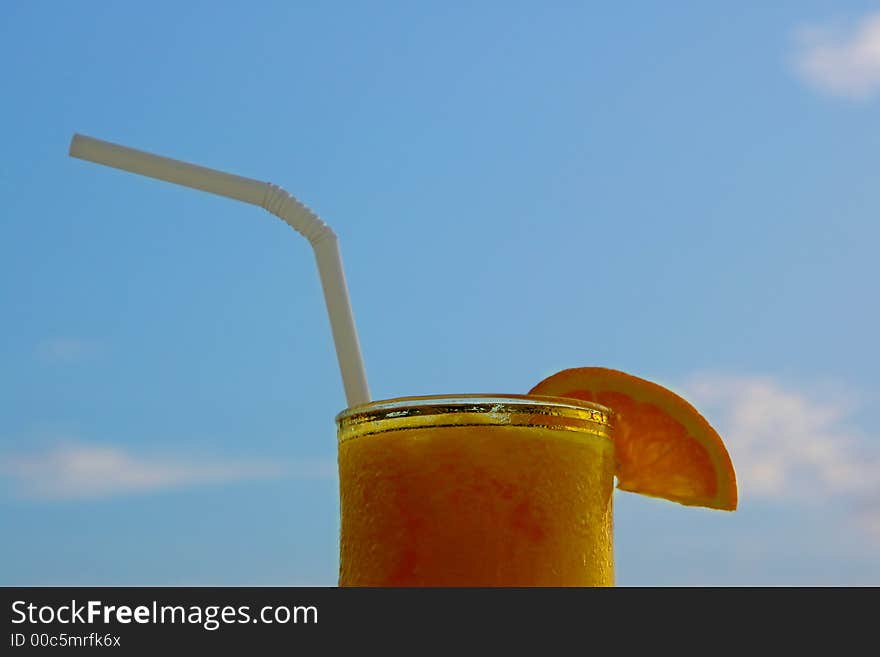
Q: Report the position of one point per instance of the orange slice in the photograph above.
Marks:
(663, 446)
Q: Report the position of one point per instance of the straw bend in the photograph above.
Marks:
(297, 215)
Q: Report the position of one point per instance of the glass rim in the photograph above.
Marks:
(483, 403)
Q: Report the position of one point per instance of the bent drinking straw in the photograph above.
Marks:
(278, 202)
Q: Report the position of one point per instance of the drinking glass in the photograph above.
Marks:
(476, 490)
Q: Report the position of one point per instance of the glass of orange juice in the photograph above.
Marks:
(476, 490)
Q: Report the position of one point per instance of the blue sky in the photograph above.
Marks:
(672, 189)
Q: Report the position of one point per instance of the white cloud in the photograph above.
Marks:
(88, 471)
(66, 350)
(841, 62)
(789, 445)
(868, 520)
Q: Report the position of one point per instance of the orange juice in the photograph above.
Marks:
(476, 490)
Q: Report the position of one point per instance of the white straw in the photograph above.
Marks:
(278, 202)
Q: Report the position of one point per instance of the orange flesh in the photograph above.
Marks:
(664, 447)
